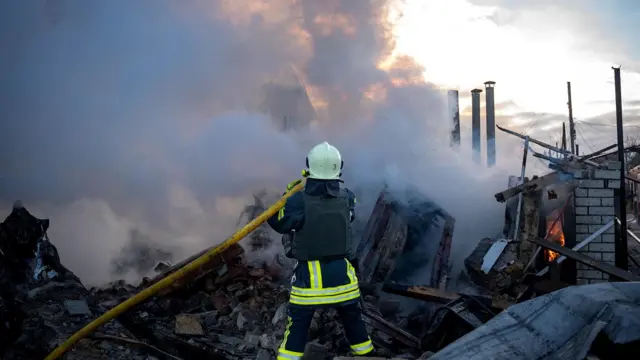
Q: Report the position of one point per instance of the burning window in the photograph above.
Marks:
(554, 233)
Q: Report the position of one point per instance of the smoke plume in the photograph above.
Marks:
(140, 117)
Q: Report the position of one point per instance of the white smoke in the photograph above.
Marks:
(124, 116)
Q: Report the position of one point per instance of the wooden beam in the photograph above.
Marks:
(436, 295)
(583, 259)
(530, 226)
(531, 185)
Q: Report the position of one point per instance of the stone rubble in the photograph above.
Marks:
(42, 303)
(233, 310)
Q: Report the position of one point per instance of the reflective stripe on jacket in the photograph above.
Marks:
(317, 283)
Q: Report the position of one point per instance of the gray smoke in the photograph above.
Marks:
(123, 116)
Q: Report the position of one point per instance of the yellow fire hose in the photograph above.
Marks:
(190, 267)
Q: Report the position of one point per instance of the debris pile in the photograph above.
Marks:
(43, 303)
(229, 309)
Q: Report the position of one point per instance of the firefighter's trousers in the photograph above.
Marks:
(295, 336)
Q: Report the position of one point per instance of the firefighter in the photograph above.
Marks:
(317, 227)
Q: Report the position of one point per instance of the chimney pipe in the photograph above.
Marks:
(491, 123)
(454, 115)
(475, 124)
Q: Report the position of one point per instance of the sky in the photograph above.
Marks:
(133, 124)
(531, 49)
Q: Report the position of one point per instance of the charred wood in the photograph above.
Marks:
(406, 238)
(583, 259)
(506, 272)
(440, 296)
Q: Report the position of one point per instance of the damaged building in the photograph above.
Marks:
(236, 308)
(287, 102)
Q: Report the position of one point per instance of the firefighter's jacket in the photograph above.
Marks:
(321, 282)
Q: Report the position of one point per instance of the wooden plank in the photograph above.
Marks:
(531, 185)
(390, 329)
(583, 259)
(531, 224)
(436, 295)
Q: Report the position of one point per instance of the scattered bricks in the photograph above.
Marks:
(583, 229)
(613, 165)
(608, 201)
(609, 238)
(601, 210)
(581, 192)
(582, 210)
(600, 193)
(186, 324)
(606, 174)
(588, 201)
(609, 257)
(593, 219)
(589, 274)
(591, 184)
(613, 184)
(602, 247)
(221, 302)
(594, 228)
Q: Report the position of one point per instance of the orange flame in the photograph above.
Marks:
(555, 234)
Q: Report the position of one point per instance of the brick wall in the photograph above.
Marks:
(594, 208)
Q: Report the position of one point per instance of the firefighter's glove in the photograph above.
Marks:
(291, 185)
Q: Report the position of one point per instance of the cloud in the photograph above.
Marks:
(558, 41)
(140, 117)
(603, 27)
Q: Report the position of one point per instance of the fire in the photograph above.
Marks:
(555, 234)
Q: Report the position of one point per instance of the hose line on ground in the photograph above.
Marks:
(178, 274)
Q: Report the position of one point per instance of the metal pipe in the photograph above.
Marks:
(490, 122)
(475, 124)
(634, 236)
(621, 240)
(522, 173)
(572, 129)
(454, 116)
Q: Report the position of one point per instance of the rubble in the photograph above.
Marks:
(227, 310)
(506, 271)
(42, 303)
(233, 308)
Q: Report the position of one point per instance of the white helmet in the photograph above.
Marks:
(324, 162)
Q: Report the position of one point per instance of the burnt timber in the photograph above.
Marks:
(395, 229)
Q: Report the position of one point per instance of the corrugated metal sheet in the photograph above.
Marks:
(560, 325)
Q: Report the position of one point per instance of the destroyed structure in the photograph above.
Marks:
(287, 102)
(521, 298)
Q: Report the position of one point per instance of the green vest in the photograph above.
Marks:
(326, 232)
